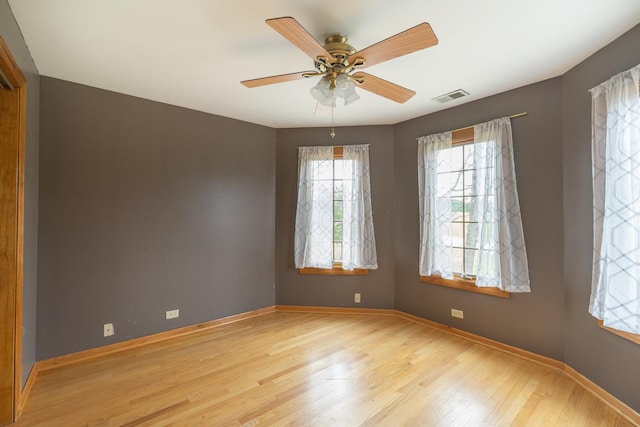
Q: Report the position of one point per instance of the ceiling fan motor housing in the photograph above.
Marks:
(340, 50)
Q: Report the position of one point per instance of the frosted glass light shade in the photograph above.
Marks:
(345, 89)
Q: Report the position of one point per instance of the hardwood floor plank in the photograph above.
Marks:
(313, 369)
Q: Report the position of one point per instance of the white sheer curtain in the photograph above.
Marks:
(434, 206)
(314, 214)
(615, 123)
(502, 257)
(314, 233)
(501, 254)
(358, 240)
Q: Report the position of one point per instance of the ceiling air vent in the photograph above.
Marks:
(451, 96)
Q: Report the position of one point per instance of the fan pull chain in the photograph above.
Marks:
(333, 107)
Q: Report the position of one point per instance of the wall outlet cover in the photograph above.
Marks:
(108, 330)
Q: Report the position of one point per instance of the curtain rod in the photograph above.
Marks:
(513, 116)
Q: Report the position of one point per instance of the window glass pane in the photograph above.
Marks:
(337, 190)
(347, 190)
(323, 169)
(484, 178)
(471, 235)
(444, 161)
(480, 151)
(337, 231)
(456, 183)
(444, 183)
(457, 162)
(471, 262)
(338, 169)
(470, 208)
(457, 238)
(337, 210)
(489, 209)
(469, 161)
(348, 166)
(442, 209)
(457, 209)
(343, 169)
(322, 190)
(469, 184)
(337, 252)
(456, 260)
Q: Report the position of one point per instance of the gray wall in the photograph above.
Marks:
(376, 289)
(13, 38)
(147, 207)
(531, 321)
(608, 360)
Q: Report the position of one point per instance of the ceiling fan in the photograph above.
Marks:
(339, 63)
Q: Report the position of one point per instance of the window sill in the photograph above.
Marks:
(465, 285)
(335, 271)
(626, 335)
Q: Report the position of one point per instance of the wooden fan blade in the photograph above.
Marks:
(263, 81)
(296, 34)
(384, 88)
(419, 37)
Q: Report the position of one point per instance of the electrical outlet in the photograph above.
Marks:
(356, 298)
(457, 313)
(172, 314)
(108, 329)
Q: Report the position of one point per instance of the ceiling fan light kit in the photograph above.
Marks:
(343, 88)
(338, 63)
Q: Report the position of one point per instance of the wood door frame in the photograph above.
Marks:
(12, 231)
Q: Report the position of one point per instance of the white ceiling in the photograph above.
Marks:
(194, 53)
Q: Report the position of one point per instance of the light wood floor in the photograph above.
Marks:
(306, 369)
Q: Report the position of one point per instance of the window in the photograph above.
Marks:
(457, 176)
(334, 224)
(471, 232)
(456, 173)
(342, 177)
(615, 286)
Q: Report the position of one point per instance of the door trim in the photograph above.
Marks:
(15, 221)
